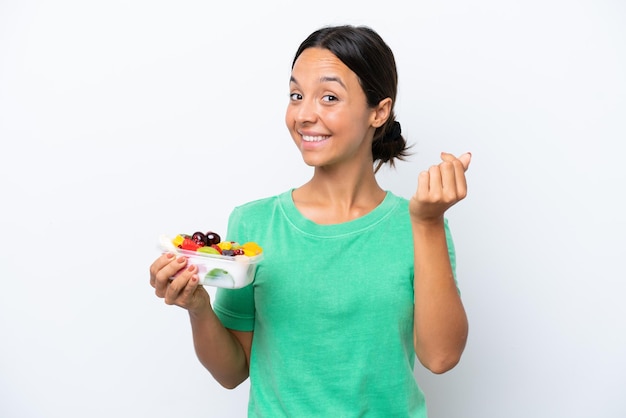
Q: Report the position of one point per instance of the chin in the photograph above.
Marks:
(310, 162)
(313, 162)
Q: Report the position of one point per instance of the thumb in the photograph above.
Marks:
(463, 158)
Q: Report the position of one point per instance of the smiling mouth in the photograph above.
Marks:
(307, 138)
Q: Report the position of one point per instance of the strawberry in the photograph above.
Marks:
(189, 244)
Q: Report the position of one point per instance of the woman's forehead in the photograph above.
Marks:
(322, 66)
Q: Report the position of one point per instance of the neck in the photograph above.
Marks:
(336, 195)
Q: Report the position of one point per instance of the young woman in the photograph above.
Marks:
(355, 281)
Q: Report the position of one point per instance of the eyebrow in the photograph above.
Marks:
(323, 79)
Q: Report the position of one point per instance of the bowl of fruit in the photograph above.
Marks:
(227, 264)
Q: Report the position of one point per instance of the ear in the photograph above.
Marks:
(381, 112)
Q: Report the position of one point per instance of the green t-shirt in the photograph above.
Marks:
(331, 308)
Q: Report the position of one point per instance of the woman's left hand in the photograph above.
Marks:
(439, 188)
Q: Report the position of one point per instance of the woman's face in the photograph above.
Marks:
(328, 116)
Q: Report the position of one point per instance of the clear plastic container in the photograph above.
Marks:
(231, 272)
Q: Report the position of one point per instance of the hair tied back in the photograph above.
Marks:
(394, 133)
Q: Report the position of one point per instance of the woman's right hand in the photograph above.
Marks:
(178, 283)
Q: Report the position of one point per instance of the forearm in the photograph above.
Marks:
(440, 323)
(218, 350)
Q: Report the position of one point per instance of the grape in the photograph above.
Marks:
(212, 238)
(199, 238)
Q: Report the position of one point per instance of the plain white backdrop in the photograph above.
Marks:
(122, 120)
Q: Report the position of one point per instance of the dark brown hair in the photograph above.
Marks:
(362, 50)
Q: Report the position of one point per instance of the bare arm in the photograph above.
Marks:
(440, 323)
(224, 353)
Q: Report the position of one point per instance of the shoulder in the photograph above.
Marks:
(258, 204)
(259, 208)
(251, 221)
(398, 203)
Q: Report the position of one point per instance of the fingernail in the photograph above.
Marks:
(170, 255)
(191, 268)
(181, 259)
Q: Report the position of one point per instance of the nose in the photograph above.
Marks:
(305, 111)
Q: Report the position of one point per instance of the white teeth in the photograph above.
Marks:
(313, 138)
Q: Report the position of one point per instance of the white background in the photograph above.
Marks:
(121, 120)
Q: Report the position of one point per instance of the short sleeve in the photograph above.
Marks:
(235, 307)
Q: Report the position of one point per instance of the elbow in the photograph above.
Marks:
(229, 383)
(228, 380)
(441, 364)
(442, 355)
(440, 360)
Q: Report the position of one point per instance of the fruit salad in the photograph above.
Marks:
(211, 243)
(220, 263)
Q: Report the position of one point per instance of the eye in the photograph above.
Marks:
(329, 98)
(295, 96)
